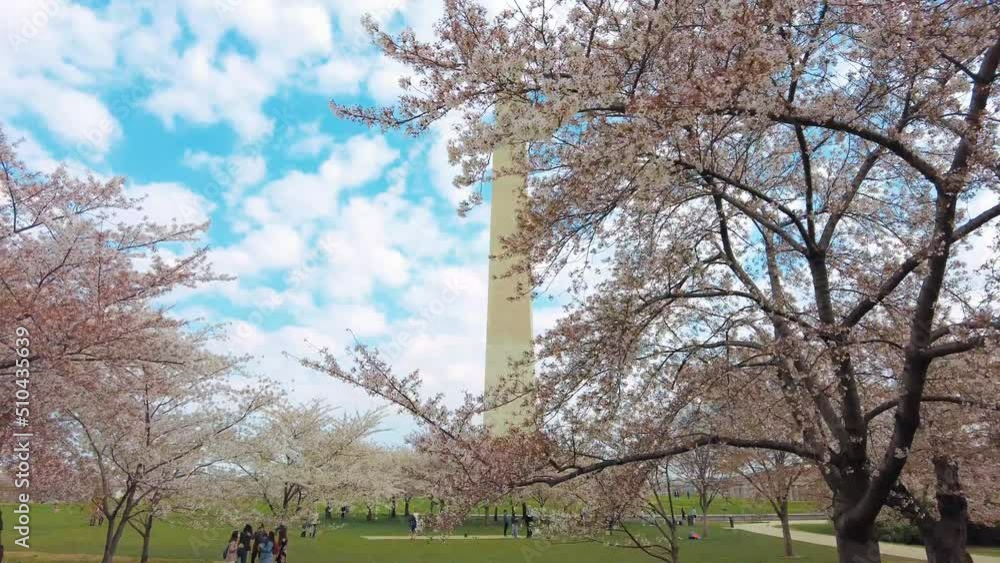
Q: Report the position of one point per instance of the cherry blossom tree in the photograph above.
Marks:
(773, 475)
(771, 195)
(80, 287)
(298, 455)
(148, 430)
(626, 507)
(705, 470)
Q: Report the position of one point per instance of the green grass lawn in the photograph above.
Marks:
(65, 537)
(827, 528)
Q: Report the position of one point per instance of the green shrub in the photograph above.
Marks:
(891, 527)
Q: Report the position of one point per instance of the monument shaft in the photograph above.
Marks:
(508, 314)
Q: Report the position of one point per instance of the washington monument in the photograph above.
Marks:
(508, 315)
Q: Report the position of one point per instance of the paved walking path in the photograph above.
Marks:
(899, 550)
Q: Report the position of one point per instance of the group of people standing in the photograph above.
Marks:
(512, 522)
(262, 546)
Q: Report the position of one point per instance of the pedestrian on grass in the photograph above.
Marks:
(267, 548)
(232, 548)
(514, 523)
(258, 539)
(282, 554)
(246, 541)
(506, 523)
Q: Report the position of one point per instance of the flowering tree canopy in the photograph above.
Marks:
(79, 285)
(774, 195)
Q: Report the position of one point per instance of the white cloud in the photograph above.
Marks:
(271, 247)
(233, 174)
(78, 118)
(340, 75)
(231, 91)
(53, 55)
(300, 197)
(309, 141)
(361, 159)
(166, 202)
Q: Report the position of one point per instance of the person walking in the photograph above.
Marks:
(266, 548)
(514, 522)
(412, 523)
(694, 517)
(232, 548)
(282, 555)
(246, 541)
(506, 523)
(258, 538)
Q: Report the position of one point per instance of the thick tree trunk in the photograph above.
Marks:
(392, 509)
(945, 540)
(857, 549)
(495, 510)
(406, 507)
(146, 536)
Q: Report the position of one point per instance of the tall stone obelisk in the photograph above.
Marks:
(508, 314)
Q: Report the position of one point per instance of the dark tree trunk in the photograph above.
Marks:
(406, 506)
(110, 545)
(856, 541)
(116, 526)
(392, 508)
(945, 540)
(852, 548)
(945, 535)
(146, 536)
(495, 510)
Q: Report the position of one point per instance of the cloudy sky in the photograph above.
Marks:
(217, 109)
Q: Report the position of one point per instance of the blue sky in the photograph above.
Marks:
(217, 109)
